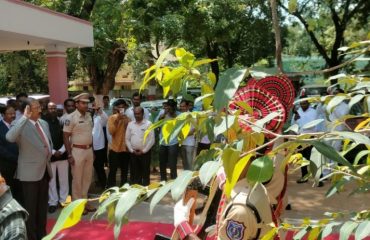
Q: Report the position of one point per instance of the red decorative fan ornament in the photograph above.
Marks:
(279, 86)
(263, 103)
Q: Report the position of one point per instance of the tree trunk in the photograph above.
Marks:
(212, 52)
(276, 26)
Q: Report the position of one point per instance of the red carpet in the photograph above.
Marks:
(99, 230)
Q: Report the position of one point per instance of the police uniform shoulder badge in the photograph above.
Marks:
(235, 230)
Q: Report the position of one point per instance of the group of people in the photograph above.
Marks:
(306, 113)
(47, 154)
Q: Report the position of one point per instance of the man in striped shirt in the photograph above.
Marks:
(12, 215)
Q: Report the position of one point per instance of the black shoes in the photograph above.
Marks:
(320, 184)
(302, 180)
(52, 209)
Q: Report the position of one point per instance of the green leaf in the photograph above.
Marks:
(200, 98)
(347, 229)
(207, 171)
(154, 126)
(293, 128)
(292, 6)
(260, 170)
(176, 129)
(226, 87)
(329, 152)
(312, 124)
(270, 235)
(300, 234)
(167, 130)
(335, 101)
(124, 204)
(226, 123)
(205, 156)
(361, 155)
(328, 229)
(159, 195)
(238, 169)
(260, 123)
(69, 217)
(363, 230)
(180, 184)
(203, 61)
(356, 137)
(355, 100)
(162, 57)
(106, 203)
(337, 186)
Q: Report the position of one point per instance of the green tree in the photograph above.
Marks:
(327, 23)
(217, 28)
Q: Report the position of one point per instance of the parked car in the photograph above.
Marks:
(313, 90)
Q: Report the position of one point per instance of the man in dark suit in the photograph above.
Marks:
(34, 142)
(9, 153)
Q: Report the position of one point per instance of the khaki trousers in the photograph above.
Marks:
(82, 171)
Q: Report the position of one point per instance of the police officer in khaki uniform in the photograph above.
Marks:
(77, 138)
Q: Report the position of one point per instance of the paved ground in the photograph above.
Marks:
(306, 201)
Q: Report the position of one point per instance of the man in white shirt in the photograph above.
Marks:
(100, 119)
(188, 145)
(136, 100)
(139, 149)
(304, 115)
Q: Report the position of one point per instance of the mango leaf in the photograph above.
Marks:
(212, 78)
(294, 128)
(314, 233)
(203, 61)
(69, 217)
(328, 229)
(176, 129)
(207, 171)
(162, 57)
(361, 155)
(238, 169)
(260, 123)
(245, 106)
(226, 87)
(337, 186)
(335, 101)
(332, 154)
(355, 100)
(167, 130)
(180, 184)
(186, 129)
(270, 235)
(205, 156)
(312, 124)
(154, 126)
(106, 203)
(226, 123)
(363, 230)
(356, 137)
(159, 195)
(200, 98)
(124, 204)
(260, 170)
(118, 226)
(347, 229)
(299, 235)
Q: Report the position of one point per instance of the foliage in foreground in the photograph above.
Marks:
(241, 147)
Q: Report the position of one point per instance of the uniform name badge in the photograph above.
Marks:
(235, 230)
